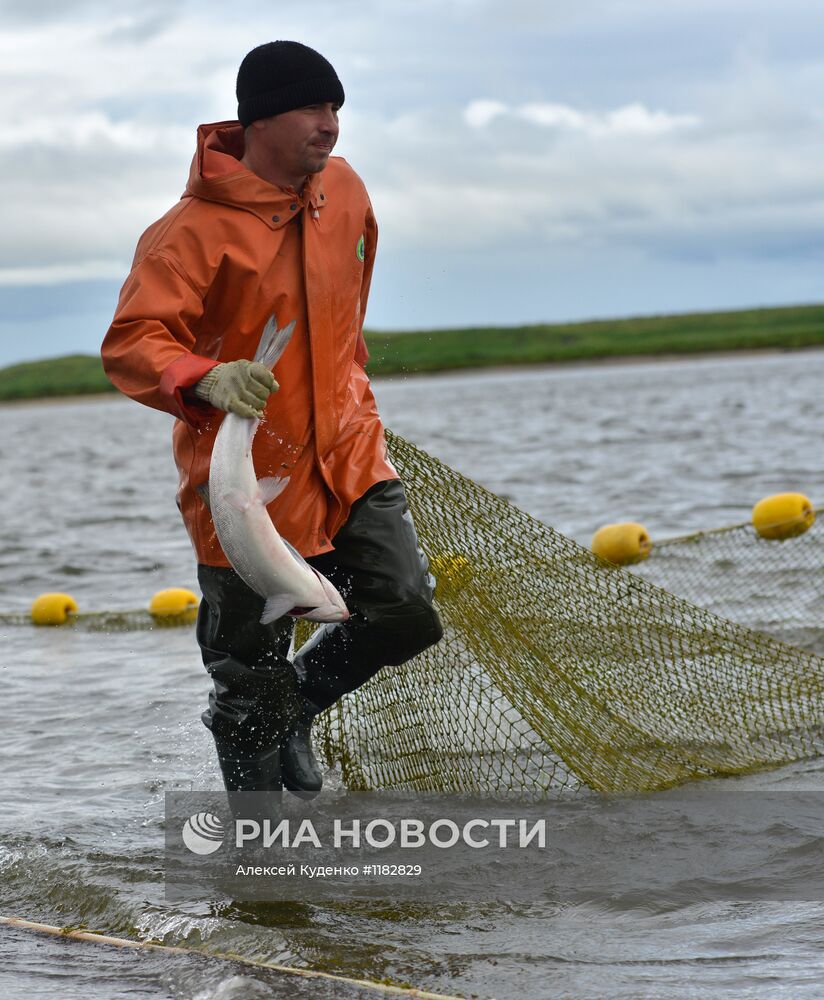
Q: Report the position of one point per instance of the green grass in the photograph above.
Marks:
(786, 328)
(73, 375)
(442, 350)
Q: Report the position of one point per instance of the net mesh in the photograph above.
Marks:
(770, 585)
(558, 672)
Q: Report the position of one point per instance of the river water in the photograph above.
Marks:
(97, 726)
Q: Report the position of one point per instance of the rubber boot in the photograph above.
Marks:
(299, 767)
(259, 774)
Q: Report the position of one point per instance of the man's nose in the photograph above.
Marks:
(329, 122)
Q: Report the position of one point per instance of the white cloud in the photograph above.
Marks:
(94, 130)
(647, 134)
(630, 119)
(478, 114)
(659, 182)
(58, 274)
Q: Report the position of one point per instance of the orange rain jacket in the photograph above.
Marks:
(205, 279)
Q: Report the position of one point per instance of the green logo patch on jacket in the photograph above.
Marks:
(360, 250)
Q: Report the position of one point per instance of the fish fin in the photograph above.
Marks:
(237, 500)
(273, 342)
(271, 487)
(276, 607)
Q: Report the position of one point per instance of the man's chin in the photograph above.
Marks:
(316, 168)
(317, 161)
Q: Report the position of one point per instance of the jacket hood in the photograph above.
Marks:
(218, 175)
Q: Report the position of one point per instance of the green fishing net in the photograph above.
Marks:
(559, 672)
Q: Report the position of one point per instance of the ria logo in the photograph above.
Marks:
(203, 833)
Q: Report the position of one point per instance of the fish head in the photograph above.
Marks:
(332, 610)
(324, 613)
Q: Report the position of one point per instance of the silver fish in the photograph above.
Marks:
(262, 559)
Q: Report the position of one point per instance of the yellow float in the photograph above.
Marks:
(174, 603)
(53, 609)
(622, 544)
(783, 515)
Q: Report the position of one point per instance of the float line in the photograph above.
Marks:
(96, 938)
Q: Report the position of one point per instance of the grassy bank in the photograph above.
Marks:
(790, 327)
(74, 375)
(441, 350)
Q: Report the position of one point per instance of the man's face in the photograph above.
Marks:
(300, 142)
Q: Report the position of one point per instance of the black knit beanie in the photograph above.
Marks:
(282, 76)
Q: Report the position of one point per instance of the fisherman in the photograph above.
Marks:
(271, 224)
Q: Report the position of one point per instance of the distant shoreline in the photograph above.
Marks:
(450, 351)
(610, 361)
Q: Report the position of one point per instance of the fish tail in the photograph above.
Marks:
(273, 342)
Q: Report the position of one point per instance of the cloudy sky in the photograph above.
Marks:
(528, 161)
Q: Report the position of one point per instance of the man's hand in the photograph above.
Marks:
(240, 387)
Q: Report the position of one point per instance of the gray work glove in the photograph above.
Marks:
(240, 387)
